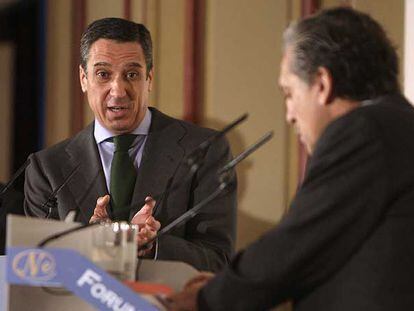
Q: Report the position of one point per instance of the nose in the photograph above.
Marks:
(118, 87)
(290, 119)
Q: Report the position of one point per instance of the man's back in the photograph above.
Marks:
(378, 273)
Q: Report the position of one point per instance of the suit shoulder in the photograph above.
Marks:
(191, 130)
(55, 151)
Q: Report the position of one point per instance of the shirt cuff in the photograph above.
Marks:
(156, 249)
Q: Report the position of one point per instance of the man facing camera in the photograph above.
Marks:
(346, 242)
(132, 152)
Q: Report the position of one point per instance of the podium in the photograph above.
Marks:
(28, 232)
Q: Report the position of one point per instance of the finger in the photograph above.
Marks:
(147, 231)
(185, 300)
(94, 219)
(149, 200)
(103, 201)
(99, 213)
(148, 206)
(153, 224)
(143, 232)
(139, 220)
(142, 237)
(142, 253)
(101, 204)
(145, 210)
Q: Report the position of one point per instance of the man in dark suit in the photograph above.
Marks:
(116, 73)
(345, 243)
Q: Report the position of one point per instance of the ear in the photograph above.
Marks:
(150, 79)
(83, 79)
(325, 85)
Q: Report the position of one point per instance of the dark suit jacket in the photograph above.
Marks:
(347, 242)
(206, 241)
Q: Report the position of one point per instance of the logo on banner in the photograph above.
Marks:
(67, 268)
(34, 265)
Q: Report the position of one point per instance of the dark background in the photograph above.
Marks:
(22, 23)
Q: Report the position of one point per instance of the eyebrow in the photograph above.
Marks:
(105, 64)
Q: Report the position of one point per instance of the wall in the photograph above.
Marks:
(243, 48)
(241, 66)
(58, 71)
(6, 109)
(390, 14)
(408, 50)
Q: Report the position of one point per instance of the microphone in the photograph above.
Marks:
(60, 234)
(194, 157)
(13, 179)
(225, 182)
(51, 202)
(223, 172)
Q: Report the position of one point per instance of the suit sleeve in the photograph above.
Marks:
(209, 236)
(37, 189)
(339, 204)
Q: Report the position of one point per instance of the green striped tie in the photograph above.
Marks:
(123, 176)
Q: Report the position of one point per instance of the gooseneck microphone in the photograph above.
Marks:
(230, 165)
(13, 179)
(51, 202)
(225, 182)
(195, 157)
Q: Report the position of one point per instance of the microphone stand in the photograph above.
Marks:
(51, 202)
(194, 158)
(191, 212)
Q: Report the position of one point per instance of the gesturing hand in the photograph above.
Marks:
(148, 225)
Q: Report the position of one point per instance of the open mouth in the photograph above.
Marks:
(116, 109)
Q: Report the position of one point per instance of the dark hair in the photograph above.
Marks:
(120, 30)
(352, 46)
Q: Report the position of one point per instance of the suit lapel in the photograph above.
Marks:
(89, 181)
(161, 157)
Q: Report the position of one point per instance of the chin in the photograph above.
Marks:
(119, 130)
(120, 127)
(309, 149)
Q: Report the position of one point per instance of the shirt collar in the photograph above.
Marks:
(101, 133)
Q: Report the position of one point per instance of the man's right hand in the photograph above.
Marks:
(99, 213)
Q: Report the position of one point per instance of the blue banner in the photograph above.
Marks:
(67, 268)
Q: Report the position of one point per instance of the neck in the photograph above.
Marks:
(339, 107)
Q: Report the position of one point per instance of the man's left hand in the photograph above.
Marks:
(148, 225)
(186, 300)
